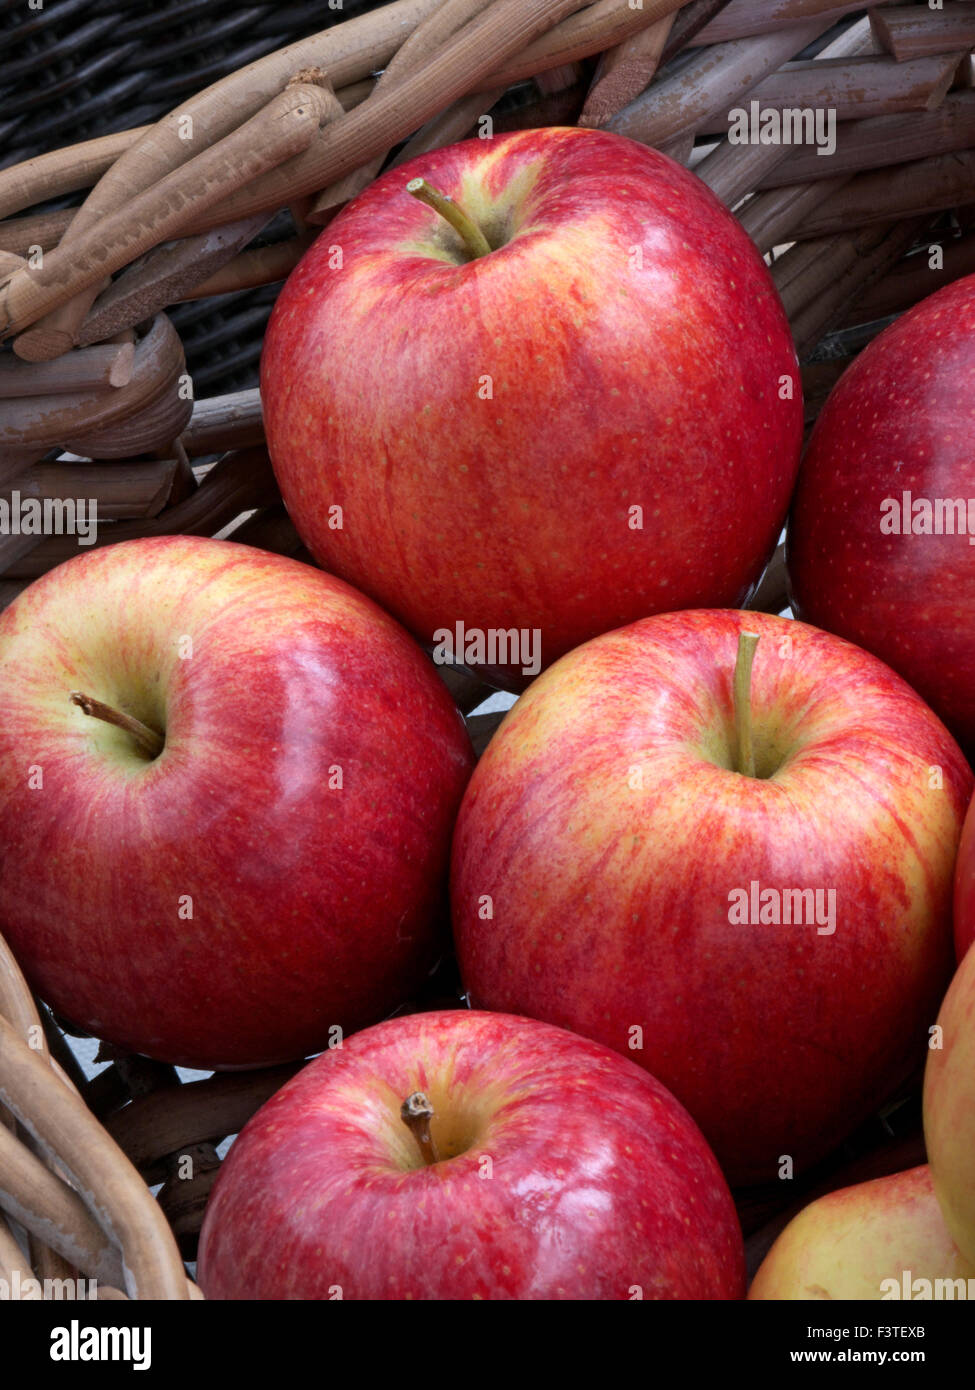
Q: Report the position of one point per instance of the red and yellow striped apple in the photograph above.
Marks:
(260, 854)
(550, 1168)
(871, 1241)
(881, 542)
(949, 1107)
(591, 415)
(965, 887)
(772, 945)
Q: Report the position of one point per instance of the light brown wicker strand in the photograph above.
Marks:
(165, 276)
(433, 31)
(818, 280)
(604, 24)
(901, 191)
(264, 265)
(912, 31)
(731, 171)
(714, 79)
(62, 171)
(110, 1187)
(912, 280)
(462, 65)
(42, 421)
(506, 27)
(240, 482)
(772, 218)
(166, 1121)
(855, 90)
(285, 126)
(233, 421)
(625, 71)
(20, 235)
(91, 369)
(14, 1265)
(53, 1212)
(452, 124)
(744, 19)
(883, 141)
(17, 1005)
(348, 52)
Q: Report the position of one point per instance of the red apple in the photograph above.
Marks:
(771, 947)
(965, 886)
(581, 427)
(277, 869)
(949, 1107)
(884, 1239)
(551, 1168)
(877, 549)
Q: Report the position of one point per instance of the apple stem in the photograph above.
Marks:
(747, 642)
(148, 740)
(468, 230)
(416, 1113)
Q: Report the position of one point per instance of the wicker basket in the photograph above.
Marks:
(110, 1176)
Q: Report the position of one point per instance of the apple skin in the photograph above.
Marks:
(846, 1244)
(599, 1182)
(311, 906)
(615, 385)
(900, 419)
(611, 904)
(949, 1108)
(965, 887)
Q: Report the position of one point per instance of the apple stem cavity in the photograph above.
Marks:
(465, 226)
(747, 642)
(149, 742)
(416, 1113)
